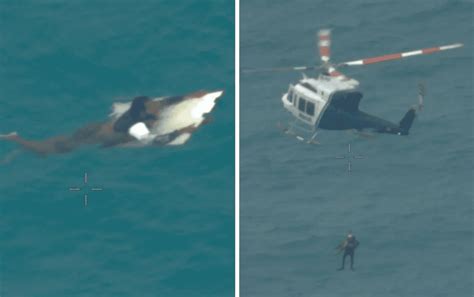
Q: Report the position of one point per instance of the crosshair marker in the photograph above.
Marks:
(351, 156)
(78, 189)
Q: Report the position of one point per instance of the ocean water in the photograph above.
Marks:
(163, 224)
(409, 201)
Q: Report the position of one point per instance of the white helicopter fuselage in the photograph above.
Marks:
(331, 101)
(309, 98)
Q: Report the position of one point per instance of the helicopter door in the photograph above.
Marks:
(306, 110)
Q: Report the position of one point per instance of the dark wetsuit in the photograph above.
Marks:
(136, 114)
(351, 245)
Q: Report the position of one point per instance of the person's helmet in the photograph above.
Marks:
(349, 235)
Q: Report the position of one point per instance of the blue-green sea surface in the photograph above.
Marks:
(163, 223)
(409, 201)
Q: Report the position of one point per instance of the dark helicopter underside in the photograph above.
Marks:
(343, 113)
(361, 121)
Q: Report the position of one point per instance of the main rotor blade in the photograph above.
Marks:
(276, 69)
(398, 56)
(324, 44)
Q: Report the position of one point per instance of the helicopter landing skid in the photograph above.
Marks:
(291, 131)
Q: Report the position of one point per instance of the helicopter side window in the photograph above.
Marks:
(310, 108)
(302, 104)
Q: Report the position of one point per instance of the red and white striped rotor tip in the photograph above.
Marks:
(324, 44)
(398, 56)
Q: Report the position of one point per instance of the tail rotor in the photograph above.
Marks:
(421, 96)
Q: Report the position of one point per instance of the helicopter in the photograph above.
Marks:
(331, 100)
